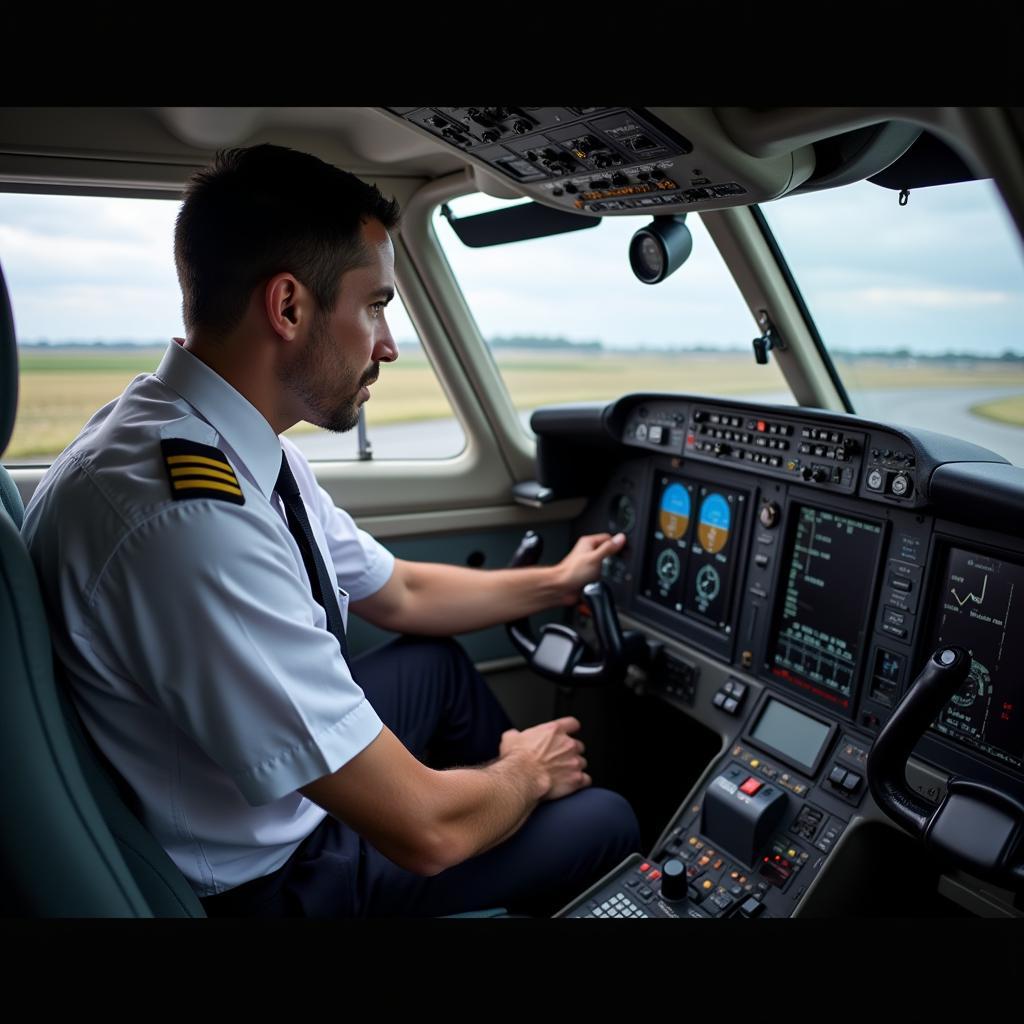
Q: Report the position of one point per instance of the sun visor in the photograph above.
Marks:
(929, 161)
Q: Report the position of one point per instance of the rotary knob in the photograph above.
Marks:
(673, 880)
(769, 515)
(901, 485)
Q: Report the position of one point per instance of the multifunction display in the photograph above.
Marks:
(822, 607)
(797, 736)
(982, 609)
(691, 557)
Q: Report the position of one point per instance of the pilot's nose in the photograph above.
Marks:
(386, 349)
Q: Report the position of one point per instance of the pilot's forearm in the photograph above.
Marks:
(431, 599)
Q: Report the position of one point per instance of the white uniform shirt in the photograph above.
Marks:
(198, 658)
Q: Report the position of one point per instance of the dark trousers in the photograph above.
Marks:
(430, 695)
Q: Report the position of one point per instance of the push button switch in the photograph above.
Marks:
(851, 783)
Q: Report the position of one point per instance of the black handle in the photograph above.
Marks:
(557, 654)
(976, 827)
(945, 673)
(529, 552)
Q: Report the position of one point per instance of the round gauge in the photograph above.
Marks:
(621, 514)
(667, 567)
(709, 583)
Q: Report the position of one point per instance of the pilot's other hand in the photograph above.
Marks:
(583, 564)
(552, 751)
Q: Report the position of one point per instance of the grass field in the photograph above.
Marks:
(1003, 410)
(62, 387)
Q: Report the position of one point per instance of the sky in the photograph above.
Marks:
(944, 272)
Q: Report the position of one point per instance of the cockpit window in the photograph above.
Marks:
(96, 301)
(920, 305)
(566, 320)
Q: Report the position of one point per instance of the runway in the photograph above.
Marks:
(946, 411)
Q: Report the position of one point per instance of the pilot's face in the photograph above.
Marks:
(347, 345)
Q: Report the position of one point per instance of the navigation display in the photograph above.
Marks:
(824, 597)
(690, 560)
(982, 611)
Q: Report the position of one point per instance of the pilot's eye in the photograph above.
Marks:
(378, 308)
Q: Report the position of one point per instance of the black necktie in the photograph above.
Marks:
(319, 579)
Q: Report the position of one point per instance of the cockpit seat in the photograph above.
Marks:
(69, 847)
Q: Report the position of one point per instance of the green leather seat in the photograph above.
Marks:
(69, 846)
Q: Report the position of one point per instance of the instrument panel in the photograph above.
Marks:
(803, 550)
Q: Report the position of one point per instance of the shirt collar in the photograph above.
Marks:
(232, 415)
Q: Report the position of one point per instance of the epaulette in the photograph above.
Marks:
(199, 471)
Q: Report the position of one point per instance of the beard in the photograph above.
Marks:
(336, 410)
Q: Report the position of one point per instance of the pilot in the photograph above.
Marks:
(199, 580)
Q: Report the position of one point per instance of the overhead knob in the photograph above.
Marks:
(819, 475)
(673, 880)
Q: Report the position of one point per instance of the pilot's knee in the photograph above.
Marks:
(607, 819)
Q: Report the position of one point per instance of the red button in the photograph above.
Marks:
(761, 428)
(654, 875)
(751, 786)
(644, 867)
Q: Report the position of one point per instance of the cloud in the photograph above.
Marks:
(923, 298)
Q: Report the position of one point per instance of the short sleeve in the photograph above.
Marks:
(201, 606)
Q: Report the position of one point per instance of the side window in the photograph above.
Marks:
(566, 320)
(408, 415)
(96, 301)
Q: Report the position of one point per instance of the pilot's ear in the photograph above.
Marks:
(283, 298)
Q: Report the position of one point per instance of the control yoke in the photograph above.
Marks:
(558, 654)
(977, 827)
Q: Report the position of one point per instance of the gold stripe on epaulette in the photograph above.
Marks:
(200, 471)
(197, 484)
(173, 460)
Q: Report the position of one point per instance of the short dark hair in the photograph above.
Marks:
(266, 210)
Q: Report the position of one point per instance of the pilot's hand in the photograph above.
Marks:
(555, 754)
(583, 564)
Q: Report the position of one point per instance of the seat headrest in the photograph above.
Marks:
(8, 366)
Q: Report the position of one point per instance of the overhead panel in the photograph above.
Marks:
(601, 160)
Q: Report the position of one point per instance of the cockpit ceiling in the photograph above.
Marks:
(159, 147)
(692, 158)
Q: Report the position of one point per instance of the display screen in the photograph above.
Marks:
(791, 733)
(694, 540)
(982, 610)
(824, 597)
